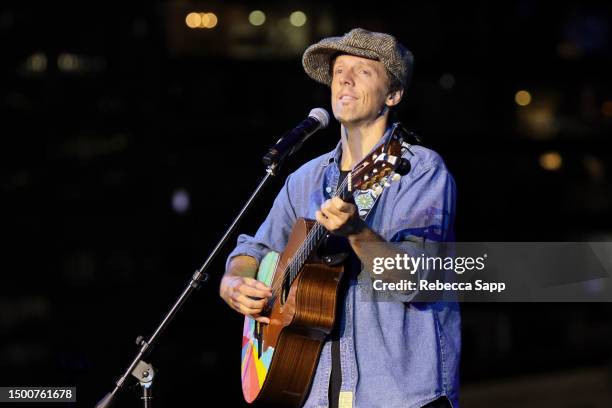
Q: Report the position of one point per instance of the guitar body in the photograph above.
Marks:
(279, 359)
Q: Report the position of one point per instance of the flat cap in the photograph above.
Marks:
(396, 58)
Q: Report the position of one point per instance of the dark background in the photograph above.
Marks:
(131, 141)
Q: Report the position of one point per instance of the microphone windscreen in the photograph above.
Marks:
(321, 115)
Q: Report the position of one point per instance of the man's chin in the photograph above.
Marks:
(351, 122)
(345, 118)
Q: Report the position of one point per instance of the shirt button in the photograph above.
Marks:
(328, 189)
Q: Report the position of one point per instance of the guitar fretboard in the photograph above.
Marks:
(312, 241)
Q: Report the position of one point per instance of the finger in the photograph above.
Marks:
(254, 283)
(321, 219)
(335, 220)
(341, 205)
(241, 299)
(254, 292)
(330, 224)
(261, 319)
(327, 213)
(247, 311)
(325, 217)
(331, 208)
(248, 302)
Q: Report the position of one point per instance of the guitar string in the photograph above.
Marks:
(303, 253)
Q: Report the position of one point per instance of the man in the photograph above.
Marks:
(385, 354)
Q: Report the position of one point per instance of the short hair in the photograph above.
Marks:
(394, 83)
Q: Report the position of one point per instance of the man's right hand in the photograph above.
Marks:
(245, 295)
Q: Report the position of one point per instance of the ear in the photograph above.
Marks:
(394, 98)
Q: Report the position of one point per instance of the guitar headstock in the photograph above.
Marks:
(381, 167)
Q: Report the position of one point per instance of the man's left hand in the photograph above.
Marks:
(340, 218)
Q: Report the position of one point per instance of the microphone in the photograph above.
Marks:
(291, 141)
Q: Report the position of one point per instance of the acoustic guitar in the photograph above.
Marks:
(279, 359)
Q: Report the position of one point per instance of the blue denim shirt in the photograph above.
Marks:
(393, 353)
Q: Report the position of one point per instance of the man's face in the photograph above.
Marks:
(359, 89)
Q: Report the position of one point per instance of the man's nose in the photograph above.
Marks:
(346, 78)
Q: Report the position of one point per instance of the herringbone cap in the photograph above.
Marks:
(396, 58)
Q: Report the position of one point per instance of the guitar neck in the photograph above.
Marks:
(314, 237)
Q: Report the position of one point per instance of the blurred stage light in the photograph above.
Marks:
(606, 109)
(539, 120)
(180, 201)
(551, 161)
(209, 20)
(37, 62)
(193, 20)
(201, 20)
(447, 81)
(68, 62)
(522, 98)
(257, 17)
(297, 18)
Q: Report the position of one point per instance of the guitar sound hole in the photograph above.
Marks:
(284, 292)
(259, 338)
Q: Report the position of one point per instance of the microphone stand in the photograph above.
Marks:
(144, 371)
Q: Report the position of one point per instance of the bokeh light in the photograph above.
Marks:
(181, 201)
(551, 161)
(193, 20)
(209, 20)
(297, 18)
(522, 98)
(257, 17)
